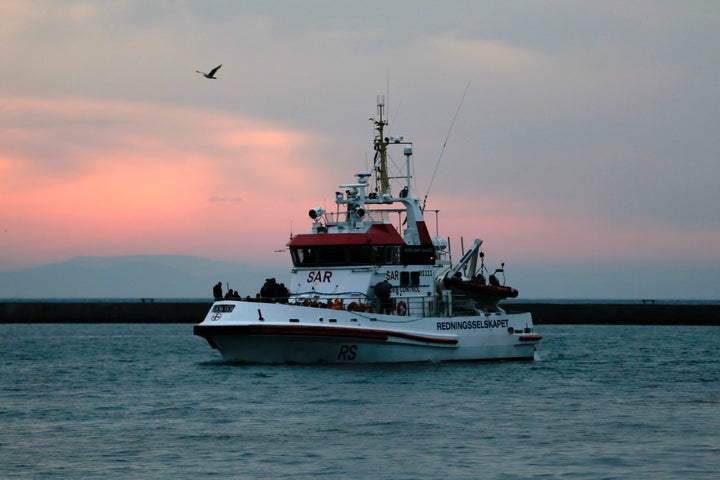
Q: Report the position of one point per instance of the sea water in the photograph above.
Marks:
(153, 401)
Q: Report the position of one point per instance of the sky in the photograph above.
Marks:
(586, 145)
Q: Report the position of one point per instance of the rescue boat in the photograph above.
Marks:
(365, 290)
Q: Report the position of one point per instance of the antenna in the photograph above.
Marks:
(387, 92)
(442, 151)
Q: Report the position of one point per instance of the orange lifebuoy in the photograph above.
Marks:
(353, 307)
(402, 309)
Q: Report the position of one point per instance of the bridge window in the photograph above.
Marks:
(385, 255)
(351, 255)
(360, 255)
(332, 256)
(303, 257)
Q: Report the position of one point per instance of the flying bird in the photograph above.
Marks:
(211, 74)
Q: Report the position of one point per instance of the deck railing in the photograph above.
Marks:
(445, 306)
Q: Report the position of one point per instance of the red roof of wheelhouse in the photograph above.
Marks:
(377, 234)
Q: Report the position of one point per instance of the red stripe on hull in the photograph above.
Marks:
(306, 330)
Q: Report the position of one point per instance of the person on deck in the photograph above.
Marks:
(217, 291)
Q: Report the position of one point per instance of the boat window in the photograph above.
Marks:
(223, 308)
(378, 254)
(303, 257)
(350, 255)
(382, 255)
(332, 256)
(409, 278)
(360, 255)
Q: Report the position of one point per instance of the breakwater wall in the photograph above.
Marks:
(620, 313)
(141, 311)
(153, 311)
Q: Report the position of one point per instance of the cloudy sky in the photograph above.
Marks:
(587, 143)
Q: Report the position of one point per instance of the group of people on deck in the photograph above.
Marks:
(271, 291)
(218, 293)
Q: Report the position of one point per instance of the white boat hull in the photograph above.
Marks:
(251, 332)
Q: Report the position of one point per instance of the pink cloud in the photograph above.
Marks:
(82, 177)
(527, 232)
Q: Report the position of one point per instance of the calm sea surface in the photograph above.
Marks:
(153, 401)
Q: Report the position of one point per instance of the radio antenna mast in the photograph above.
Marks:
(442, 151)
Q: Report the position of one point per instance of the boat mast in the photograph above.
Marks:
(383, 183)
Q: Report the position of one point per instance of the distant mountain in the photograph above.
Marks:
(188, 277)
(137, 276)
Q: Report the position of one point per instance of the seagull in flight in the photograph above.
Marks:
(211, 74)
